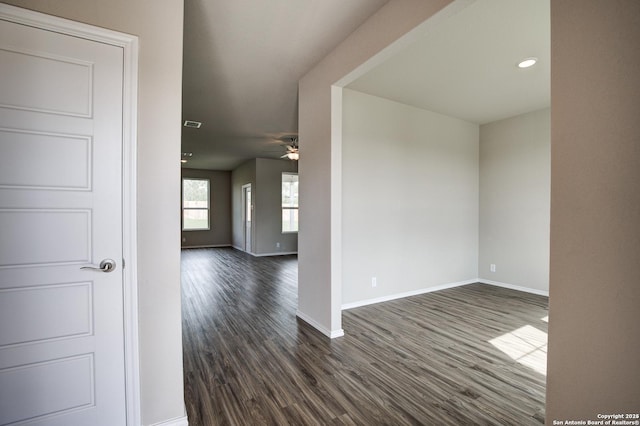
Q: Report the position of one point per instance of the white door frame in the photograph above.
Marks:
(244, 216)
(129, 45)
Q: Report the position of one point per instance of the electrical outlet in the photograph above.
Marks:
(277, 245)
(492, 267)
(184, 240)
(374, 282)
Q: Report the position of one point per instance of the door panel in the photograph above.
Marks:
(68, 384)
(61, 327)
(34, 237)
(16, 165)
(71, 94)
(64, 311)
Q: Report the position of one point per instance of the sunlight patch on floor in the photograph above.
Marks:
(526, 345)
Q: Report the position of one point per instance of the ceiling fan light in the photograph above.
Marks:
(293, 156)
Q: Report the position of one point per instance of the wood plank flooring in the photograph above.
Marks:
(423, 360)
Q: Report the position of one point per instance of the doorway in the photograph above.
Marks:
(247, 217)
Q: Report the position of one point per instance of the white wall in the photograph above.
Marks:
(594, 349)
(410, 198)
(158, 24)
(514, 200)
(319, 281)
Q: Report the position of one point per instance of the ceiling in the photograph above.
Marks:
(242, 63)
(243, 60)
(466, 66)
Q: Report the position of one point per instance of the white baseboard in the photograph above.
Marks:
(359, 303)
(514, 287)
(209, 246)
(178, 421)
(243, 250)
(332, 334)
(278, 253)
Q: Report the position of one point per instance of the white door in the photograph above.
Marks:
(61, 326)
(247, 207)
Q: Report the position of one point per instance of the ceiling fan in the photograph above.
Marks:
(292, 150)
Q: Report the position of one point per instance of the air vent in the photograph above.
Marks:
(193, 124)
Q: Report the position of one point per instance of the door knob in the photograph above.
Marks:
(107, 265)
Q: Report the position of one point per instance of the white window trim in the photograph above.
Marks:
(208, 208)
(282, 208)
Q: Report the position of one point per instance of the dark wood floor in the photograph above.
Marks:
(434, 359)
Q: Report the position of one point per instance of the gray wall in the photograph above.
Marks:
(241, 175)
(265, 177)
(514, 200)
(268, 210)
(220, 210)
(410, 198)
(159, 26)
(594, 349)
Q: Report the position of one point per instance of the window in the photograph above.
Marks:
(289, 202)
(195, 204)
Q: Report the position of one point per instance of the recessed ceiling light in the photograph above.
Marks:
(194, 124)
(186, 155)
(527, 62)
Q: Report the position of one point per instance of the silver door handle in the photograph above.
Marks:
(106, 265)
